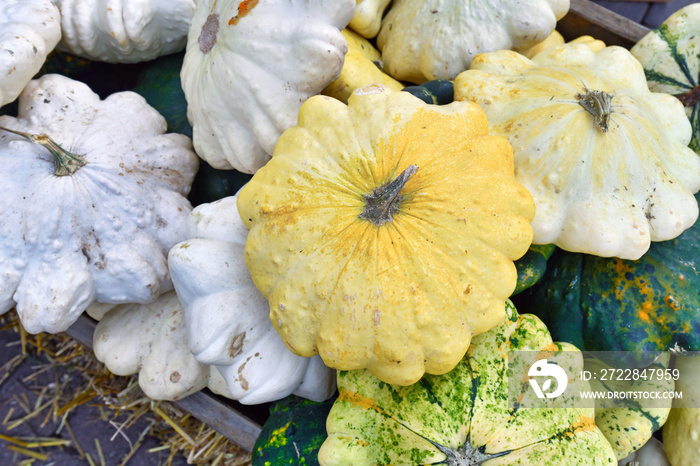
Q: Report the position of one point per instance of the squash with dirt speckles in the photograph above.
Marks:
(29, 30)
(90, 215)
(383, 233)
(150, 340)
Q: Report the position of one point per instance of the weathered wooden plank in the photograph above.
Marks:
(222, 417)
(216, 412)
(588, 18)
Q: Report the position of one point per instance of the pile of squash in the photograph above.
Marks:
(338, 205)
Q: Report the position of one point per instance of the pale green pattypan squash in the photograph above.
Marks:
(95, 221)
(423, 40)
(227, 319)
(681, 434)
(124, 31)
(670, 55)
(29, 30)
(249, 66)
(606, 160)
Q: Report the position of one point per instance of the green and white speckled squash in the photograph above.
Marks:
(463, 417)
(630, 426)
(670, 56)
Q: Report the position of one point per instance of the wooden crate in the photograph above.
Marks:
(228, 417)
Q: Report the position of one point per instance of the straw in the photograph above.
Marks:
(119, 400)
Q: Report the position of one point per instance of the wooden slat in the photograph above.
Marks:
(214, 411)
(588, 18)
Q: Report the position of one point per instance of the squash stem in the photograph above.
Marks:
(597, 103)
(467, 455)
(690, 98)
(65, 163)
(384, 202)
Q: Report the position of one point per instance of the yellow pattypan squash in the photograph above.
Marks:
(359, 69)
(383, 232)
(555, 38)
(368, 17)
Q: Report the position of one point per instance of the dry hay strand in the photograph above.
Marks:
(120, 402)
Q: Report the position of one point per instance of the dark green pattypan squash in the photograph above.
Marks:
(532, 265)
(435, 92)
(293, 433)
(159, 84)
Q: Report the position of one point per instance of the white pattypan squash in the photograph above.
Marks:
(124, 31)
(423, 40)
(249, 66)
(95, 221)
(150, 339)
(606, 160)
(227, 319)
(29, 30)
(368, 17)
